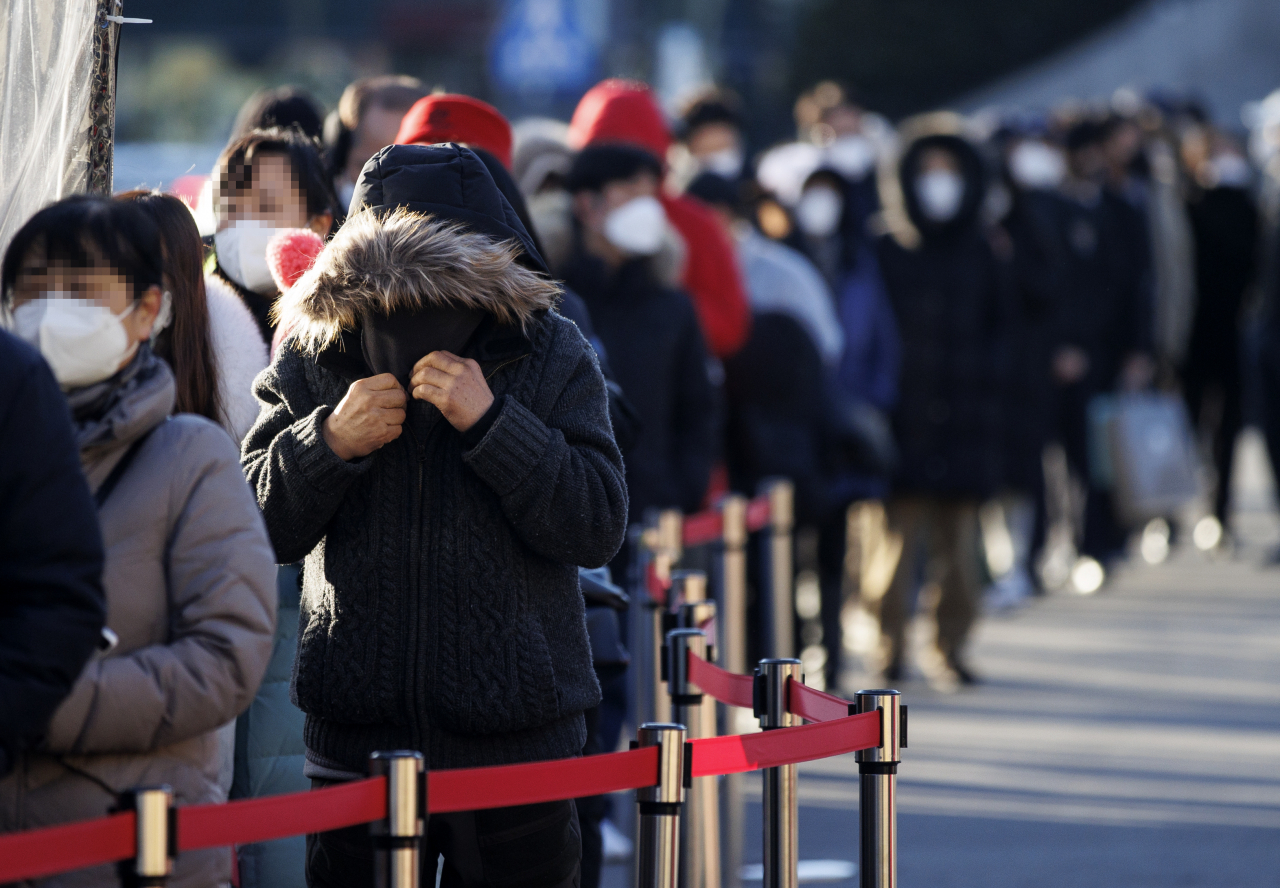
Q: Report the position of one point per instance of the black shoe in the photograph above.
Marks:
(963, 673)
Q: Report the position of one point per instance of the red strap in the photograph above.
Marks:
(758, 514)
(735, 753)
(274, 817)
(813, 704)
(501, 787)
(727, 687)
(43, 852)
(657, 588)
(703, 528)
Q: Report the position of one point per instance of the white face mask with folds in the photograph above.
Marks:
(1035, 165)
(940, 193)
(83, 342)
(637, 227)
(726, 162)
(819, 210)
(242, 254)
(852, 156)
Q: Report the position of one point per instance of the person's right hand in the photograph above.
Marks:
(369, 415)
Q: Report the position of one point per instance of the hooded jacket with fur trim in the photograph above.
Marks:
(440, 606)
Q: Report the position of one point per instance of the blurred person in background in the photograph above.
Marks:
(264, 182)
(1104, 331)
(366, 120)
(1224, 220)
(709, 139)
(282, 107)
(189, 570)
(826, 230)
(946, 290)
(540, 162)
(626, 112)
(51, 605)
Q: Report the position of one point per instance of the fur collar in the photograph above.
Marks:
(404, 259)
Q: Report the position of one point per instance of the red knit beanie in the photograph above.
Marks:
(620, 111)
(455, 118)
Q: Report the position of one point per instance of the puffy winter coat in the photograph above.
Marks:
(239, 351)
(440, 605)
(190, 592)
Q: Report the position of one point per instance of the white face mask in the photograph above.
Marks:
(940, 193)
(83, 342)
(1033, 164)
(637, 227)
(852, 156)
(819, 210)
(242, 254)
(726, 162)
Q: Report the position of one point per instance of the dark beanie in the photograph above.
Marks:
(598, 165)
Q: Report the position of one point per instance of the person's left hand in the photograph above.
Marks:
(455, 385)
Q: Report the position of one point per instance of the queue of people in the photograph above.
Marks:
(355, 472)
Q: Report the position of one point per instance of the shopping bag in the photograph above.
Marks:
(1154, 464)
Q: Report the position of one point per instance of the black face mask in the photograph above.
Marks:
(394, 343)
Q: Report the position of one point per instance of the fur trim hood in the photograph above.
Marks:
(382, 262)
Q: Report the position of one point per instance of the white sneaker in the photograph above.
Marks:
(616, 847)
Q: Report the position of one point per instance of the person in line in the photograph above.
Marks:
(626, 112)
(435, 442)
(710, 139)
(51, 605)
(189, 571)
(946, 290)
(282, 107)
(367, 119)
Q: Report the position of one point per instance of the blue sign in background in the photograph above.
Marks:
(540, 47)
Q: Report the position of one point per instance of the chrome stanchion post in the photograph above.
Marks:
(780, 815)
(732, 653)
(157, 837)
(658, 845)
(666, 544)
(700, 829)
(397, 840)
(877, 799)
(782, 605)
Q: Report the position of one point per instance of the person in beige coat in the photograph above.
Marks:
(189, 573)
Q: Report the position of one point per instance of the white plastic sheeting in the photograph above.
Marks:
(46, 74)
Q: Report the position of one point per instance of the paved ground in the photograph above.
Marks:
(1131, 738)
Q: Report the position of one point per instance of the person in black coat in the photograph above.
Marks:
(945, 287)
(52, 609)
(650, 331)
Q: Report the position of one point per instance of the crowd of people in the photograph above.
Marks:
(354, 471)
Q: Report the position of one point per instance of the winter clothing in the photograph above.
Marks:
(455, 118)
(51, 604)
(240, 353)
(656, 350)
(627, 112)
(189, 592)
(465, 637)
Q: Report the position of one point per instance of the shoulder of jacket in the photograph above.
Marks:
(185, 438)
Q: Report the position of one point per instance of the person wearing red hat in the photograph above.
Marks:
(625, 111)
(449, 117)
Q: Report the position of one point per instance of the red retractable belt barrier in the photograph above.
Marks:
(702, 528)
(735, 753)
(506, 785)
(274, 817)
(727, 687)
(814, 704)
(43, 852)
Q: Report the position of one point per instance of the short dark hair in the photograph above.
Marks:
(234, 168)
(84, 231)
(598, 165)
(284, 107)
(710, 106)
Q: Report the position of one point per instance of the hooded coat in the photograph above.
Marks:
(947, 291)
(190, 593)
(440, 606)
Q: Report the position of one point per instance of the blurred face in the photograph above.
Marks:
(377, 130)
(844, 120)
(1088, 163)
(711, 138)
(1123, 145)
(938, 160)
(593, 207)
(271, 196)
(623, 219)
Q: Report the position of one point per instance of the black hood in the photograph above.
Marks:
(447, 182)
(971, 169)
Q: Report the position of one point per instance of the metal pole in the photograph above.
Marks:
(700, 829)
(781, 828)
(732, 650)
(781, 524)
(157, 837)
(658, 846)
(665, 541)
(397, 840)
(877, 799)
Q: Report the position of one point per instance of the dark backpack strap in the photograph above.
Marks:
(117, 471)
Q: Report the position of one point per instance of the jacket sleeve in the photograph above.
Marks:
(222, 594)
(560, 480)
(696, 417)
(299, 482)
(51, 605)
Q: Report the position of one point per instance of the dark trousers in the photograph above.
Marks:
(1103, 537)
(528, 845)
